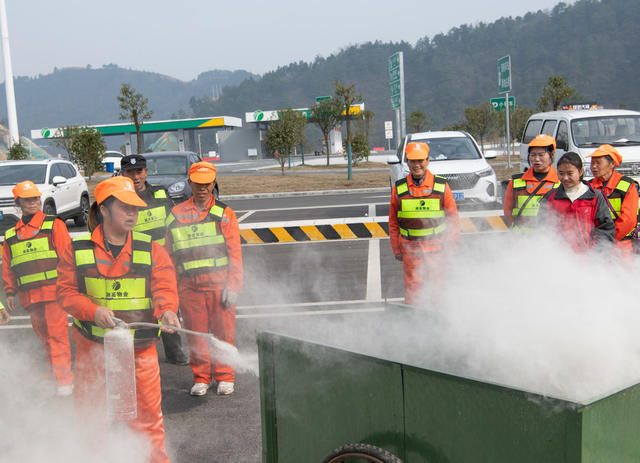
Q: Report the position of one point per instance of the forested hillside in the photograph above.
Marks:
(88, 96)
(593, 44)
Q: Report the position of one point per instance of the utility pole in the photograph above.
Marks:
(12, 115)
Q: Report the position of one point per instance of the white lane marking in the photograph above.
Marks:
(18, 327)
(244, 216)
(310, 312)
(300, 223)
(319, 303)
(374, 275)
(324, 206)
(372, 210)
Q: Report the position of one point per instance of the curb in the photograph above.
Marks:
(352, 230)
(306, 193)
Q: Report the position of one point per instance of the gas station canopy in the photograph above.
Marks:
(273, 115)
(179, 125)
(148, 126)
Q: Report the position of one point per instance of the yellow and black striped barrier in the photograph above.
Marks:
(349, 231)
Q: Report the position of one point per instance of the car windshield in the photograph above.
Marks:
(614, 130)
(167, 165)
(16, 173)
(450, 148)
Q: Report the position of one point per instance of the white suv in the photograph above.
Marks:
(455, 156)
(582, 131)
(64, 191)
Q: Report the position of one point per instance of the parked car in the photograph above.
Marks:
(113, 157)
(582, 131)
(171, 170)
(456, 156)
(64, 190)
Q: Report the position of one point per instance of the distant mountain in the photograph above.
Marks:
(88, 95)
(592, 43)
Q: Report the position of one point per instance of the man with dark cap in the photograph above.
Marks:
(151, 221)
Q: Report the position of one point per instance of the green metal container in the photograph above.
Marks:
(315, 398)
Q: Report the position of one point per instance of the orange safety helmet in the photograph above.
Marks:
(607, 150)
(202, 172)
(417, 151)
(119, 187)
(26, 189)
(543, 141)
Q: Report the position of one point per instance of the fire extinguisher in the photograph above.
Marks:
(120, 373)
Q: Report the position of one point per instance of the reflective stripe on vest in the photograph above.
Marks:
(128, 295)
(34, 260)
(198, 246)
(521, 195)
(152, 220)
(421, 218)
(617, 196)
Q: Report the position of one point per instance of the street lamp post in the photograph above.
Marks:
(12, 115)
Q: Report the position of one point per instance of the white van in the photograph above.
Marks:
(582, 131)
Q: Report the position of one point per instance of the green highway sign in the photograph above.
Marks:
(498, 103)
(504, 74)
(320, 98)
(394, 80)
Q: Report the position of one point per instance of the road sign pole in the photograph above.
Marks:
(508, 131)
(403, 117)
(398, 129)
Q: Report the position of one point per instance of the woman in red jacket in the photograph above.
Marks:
(576, 209)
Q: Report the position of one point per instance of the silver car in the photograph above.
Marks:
(457, 157)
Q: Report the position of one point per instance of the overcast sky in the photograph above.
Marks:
(185, 38)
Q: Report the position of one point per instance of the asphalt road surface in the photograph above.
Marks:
(287, 287)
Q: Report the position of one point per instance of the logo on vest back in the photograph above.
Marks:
(115, 286)
(422, 202)
(29, 244)
(194, 228)
(149, 213)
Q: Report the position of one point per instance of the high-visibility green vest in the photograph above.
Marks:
(421, 217)
(617, 196)
(34, 260)
(522, 216)
(152, 219)
(199, 247)
(128, 296)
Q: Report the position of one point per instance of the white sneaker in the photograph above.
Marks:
(224, 388)
(199, 389)
(64, 391)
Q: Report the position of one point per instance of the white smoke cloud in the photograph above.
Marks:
(38, 426)
(525, 312)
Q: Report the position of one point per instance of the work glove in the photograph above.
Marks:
(229, 298)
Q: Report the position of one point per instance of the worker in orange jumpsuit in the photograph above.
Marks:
(203, 239)
(423, 222)
(100, 277)
(29, 259)
(620, 194)
(525, 191)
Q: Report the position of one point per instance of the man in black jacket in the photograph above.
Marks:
(151, 221)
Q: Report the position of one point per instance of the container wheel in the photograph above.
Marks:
(361, 453)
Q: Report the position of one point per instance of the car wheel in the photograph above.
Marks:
(81, 219)
(49, 207)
